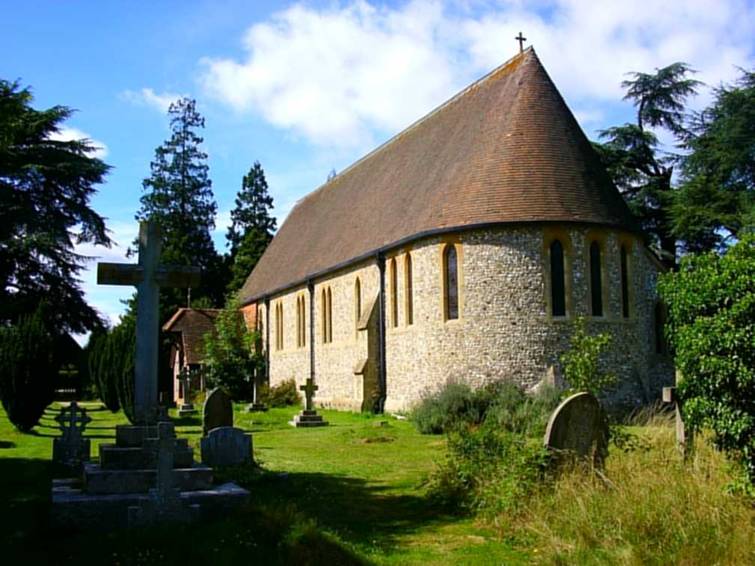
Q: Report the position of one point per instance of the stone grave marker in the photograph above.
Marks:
(685, 439)
(578, 428)
(187, 407)
(308, 417)
(217, 412)
(226, 446)
(71, 449)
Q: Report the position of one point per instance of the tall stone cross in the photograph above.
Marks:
(309, 392)
(147, 276)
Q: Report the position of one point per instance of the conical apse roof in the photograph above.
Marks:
(504, 150)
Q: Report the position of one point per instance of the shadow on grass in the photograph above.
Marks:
(359, 512)
(7, 444)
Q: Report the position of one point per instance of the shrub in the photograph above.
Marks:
(100, 370)
(453, 404)
(488, 470)
(284, 394)
(711, 328)
(28, 368)
(581, 362)
(526, 414)
(231, 357)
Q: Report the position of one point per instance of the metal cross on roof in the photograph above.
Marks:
(521, 39)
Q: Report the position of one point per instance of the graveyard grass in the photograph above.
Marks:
(354, 493)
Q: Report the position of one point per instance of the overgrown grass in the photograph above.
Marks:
(648, 508)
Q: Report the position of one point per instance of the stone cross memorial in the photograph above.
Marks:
(147, 276)
(308, 417)
(71, 449)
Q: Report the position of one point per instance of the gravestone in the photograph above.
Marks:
(187, 407)
(308, 417)
(685, 439)
(226, 446)
(578, 428)
(71, 449)
(257, 405)
(217, 412)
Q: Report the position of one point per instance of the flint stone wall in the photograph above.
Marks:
(504, 330)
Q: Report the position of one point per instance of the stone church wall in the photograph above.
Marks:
(504, 330)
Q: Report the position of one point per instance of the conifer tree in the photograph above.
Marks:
(178, 196)
(251, 228)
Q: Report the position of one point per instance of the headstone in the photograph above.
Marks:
(187, 407)
(257, 404)
(71, 449)
(685, 439)
(148, 276)
(218, 411)
(578, 428)
(226, 446)
(308, 417)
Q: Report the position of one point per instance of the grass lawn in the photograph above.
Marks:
(349, 493)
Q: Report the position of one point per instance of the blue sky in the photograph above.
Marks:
(305, 87)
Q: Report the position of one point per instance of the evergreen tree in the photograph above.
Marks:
(716, 199)
(178, 196)
(642, 172)
(251, 228)
(45, 189)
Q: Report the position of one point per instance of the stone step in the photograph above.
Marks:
(307, 419)
(72, 508)
(103, 481)
(113, 457)
(132, 436)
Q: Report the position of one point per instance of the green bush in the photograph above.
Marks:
(100, 370)
(448, 407)
(526, 414)
(28, 368)
(581, 362)
(284, 394)
(488, 470)
(711, 328)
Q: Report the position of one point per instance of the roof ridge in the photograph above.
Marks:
(422, 119)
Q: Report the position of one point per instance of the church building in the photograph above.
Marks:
(461, 249)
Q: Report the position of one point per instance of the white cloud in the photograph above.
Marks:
(100, 150)
(338, 75)
(148, 97)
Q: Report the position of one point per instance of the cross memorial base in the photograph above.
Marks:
(307, 419)
(256, 408)
(186, 409)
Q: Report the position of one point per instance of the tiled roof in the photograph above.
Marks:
(506, 149)
(192, 325)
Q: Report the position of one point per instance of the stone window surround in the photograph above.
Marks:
(600, 237)
(279, 343)
(408, 289)
(393, 291)
(626, 242)
(301, 320)
(327, 314)
(446, 241)
(357, 304)
(550, 234)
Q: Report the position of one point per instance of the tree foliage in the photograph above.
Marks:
(711, 327)
(642, 172)
(581, 362)
(252, 226)
(45, 188)
(178, 196)
(716, 199)
(231, 357)
(28, 369)
(100, 370)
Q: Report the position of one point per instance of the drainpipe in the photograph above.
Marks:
(267, 340)
(381, 337)
(311, 289)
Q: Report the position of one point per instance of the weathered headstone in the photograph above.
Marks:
(218, 411)
(308, 417)
(148, 276)
(578, 428)
(685, 439)
(71, 449)
(226, 446)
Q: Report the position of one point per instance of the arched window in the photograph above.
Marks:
(357, 302)
(394, 292)
(596, 280)
(408, 290)
(279, 326)
(451, 277)
(558, 279)
(624, 260)
(324, 322)
(301, 322)
(329, 312)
